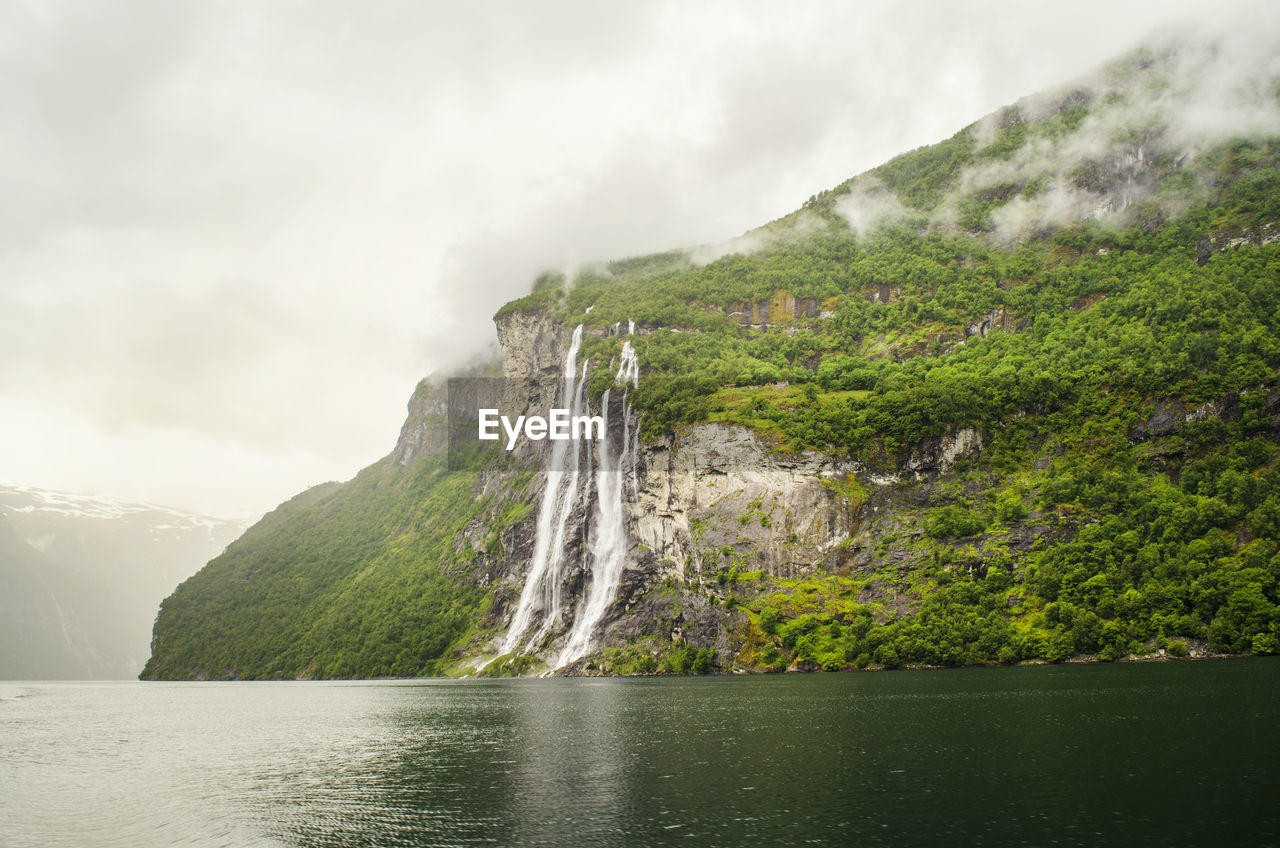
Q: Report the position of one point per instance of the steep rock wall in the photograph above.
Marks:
(716, 493)
(707, 502)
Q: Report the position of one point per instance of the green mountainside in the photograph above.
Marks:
(351, 580)
(1085, 282)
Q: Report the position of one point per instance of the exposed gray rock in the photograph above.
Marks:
(717, 496)
(425, 427)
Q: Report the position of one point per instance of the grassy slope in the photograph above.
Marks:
(352, 580)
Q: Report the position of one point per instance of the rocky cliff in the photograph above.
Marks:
(730, 529)
(713, 509)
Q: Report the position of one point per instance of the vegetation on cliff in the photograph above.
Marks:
(1120, 363)
(1071, 278)
(360, 579)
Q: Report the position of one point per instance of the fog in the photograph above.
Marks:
(235, 235)
(1198, 91)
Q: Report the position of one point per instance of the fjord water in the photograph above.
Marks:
(1135, 754)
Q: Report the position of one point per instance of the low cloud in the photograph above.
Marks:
(1059, 204)
(869, 206)
(1175, 98)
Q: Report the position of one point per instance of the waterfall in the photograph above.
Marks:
(572, 479)
(610, 541)
(542, 591)
(629, 367)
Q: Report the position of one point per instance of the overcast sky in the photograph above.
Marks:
(233, 236)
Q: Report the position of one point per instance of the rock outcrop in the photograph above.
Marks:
(424, 430)
(715, 496)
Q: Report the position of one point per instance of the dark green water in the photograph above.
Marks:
(1139, 754)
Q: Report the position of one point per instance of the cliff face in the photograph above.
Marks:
(716, 493)
(533, 350)
(712, 509)
(424, 431)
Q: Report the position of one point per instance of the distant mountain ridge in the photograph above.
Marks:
(54, 622)
(103, 562)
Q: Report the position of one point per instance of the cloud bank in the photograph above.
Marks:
(235, 236)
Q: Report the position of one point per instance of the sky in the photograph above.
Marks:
(234, 236)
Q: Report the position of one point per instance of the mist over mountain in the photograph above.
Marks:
(54, 622)
(1006, 398)
(84, 577)
(1096, 149)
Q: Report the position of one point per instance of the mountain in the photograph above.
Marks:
(1010, 397)
(54, 623)
(99, 561)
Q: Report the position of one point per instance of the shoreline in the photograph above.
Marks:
(793, 669)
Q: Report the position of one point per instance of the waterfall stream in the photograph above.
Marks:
(570, 481)
(543, 593)
(610, 539)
